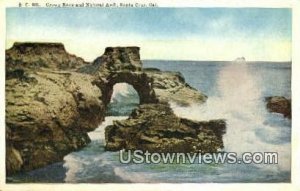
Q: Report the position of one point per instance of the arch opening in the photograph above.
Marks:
(123, 100)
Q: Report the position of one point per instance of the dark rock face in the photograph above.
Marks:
(155, 128)
(279, 104)
(139, 80)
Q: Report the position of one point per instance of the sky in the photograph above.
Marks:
(258, 34)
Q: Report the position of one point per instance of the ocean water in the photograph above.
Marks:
(236, 92)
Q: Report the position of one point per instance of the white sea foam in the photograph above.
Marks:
(73, 166)
(77, 162)
(99, 133)
(240, 104)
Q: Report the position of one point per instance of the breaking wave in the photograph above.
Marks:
(250, 128)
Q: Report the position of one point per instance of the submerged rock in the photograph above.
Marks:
(279, 104)
(155, 128)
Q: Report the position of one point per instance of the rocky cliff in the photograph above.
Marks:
(36, 56)
(49, 109)
(54, 98)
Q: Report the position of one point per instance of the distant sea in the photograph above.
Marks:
(236, 92)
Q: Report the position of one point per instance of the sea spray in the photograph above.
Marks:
(240, 103)
(123, 91)
(123, 100)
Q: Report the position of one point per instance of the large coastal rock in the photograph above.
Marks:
(155, 128)
(279, 104)
(48, 115)
(36, 56)
(48, 110)
(53, 99)
(171, 87)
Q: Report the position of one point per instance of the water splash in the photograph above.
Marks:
(90, 162)
(240, 103)
(123, 91)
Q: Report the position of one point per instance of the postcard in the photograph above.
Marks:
(114, 93)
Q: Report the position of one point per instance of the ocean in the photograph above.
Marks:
(236, 92)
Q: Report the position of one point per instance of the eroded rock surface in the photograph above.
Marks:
(48, 115)
(121, 64)
(115, 59)
(49, 110)
(171, 86)
(155, 128)
(35, 56)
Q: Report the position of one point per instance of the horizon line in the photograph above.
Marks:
(165, 60)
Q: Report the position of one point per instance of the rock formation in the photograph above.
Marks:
(121, 64)
(54, 98)
(280, 105)
(48, 110)
(35, 56)
(155, 128)
(115, 59)
(171, 86)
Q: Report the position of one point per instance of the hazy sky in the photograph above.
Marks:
(162, 33)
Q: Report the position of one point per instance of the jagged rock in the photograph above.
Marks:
(120, 65)
(124, 65)
(171, 86)
(155, 128)
(279, 104)
(115, 59)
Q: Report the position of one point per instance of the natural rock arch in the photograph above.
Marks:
(139, 80)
